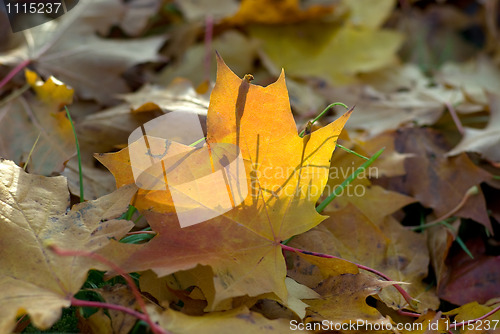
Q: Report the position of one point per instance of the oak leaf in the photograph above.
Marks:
(287, 172)
(33, 214)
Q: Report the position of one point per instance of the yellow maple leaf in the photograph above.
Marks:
(285, 177)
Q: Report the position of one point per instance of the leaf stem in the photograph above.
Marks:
(120, 271)
(474, 190)
(409, 299)
(14, 71)
(322, 113)
(338, 190)
(89, 303)
(455, 325)
(455, 118)
(78, 153)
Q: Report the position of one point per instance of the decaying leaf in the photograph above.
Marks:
(61, 46)
(28, 117)
(477, 279)
(436, 181)
(484, 141)
(33, 215)
(386, 247)
(344, 300)
(117, 322)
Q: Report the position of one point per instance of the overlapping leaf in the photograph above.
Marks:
(285, 173)
(33, 215)
(27, 118)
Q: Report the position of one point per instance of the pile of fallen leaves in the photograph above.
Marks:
(384, 220)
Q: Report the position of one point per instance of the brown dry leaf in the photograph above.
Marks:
(439, 241)
(374, 201)
(120, 322)
(343, 300)
(476, 279)
(240, 320)
(171, 289)
(396, 95)
(34, 214)
(484, 141)
(70, 42)
(475, 78)
(436, 181)
(179, 95)
(387, 247)
(26, 117)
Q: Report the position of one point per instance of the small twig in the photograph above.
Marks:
(409, 299)
(455, 118)
(496, 309)
(89, 303)
(408, 314)
(472, 191)
(141, 232)
(14, 71)
(116, 268)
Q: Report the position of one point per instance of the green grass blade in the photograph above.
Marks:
(197, 142)
(322, 113)
(347, 181)
(31, 152)
(352, 152)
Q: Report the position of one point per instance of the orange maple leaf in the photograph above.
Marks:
(285, 174)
